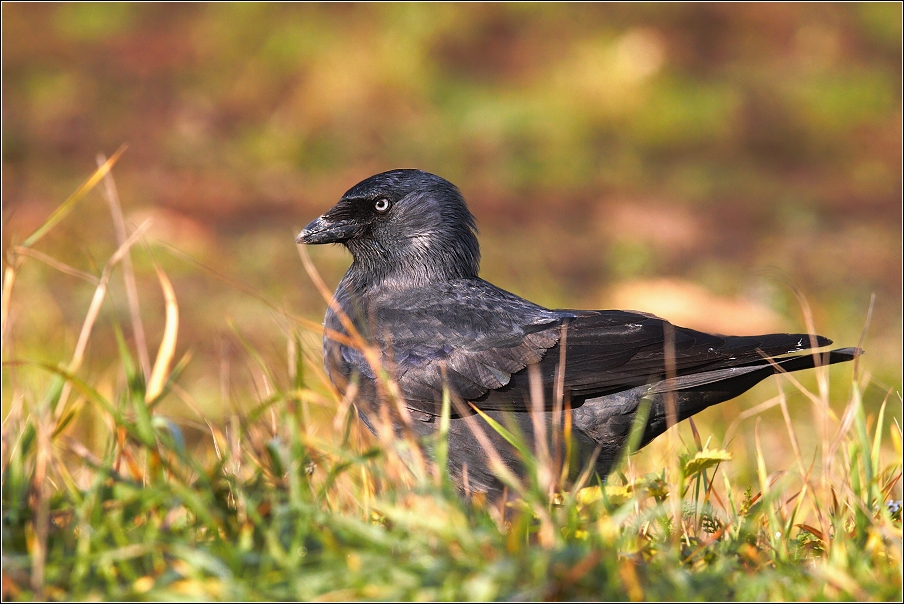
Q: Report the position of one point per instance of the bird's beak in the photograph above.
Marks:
(327, 230)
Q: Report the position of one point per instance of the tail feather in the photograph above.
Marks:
(761, 369)
(607, 420)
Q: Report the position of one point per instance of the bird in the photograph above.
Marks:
(413, 295)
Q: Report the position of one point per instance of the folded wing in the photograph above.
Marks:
(479, 340)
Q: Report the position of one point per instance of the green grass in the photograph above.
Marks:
(279, 504)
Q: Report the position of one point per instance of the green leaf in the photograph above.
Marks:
(705, 459)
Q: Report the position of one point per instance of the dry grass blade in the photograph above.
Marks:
(112, 196)
(68, 205)
(167, 349)
(496, 463)
(13, 263)
(9, 278)
(41, 506)
(353, 337)
(588, 471)
(668, 350)
(56, 264)
(822, 376)
(545, 471)
(753, 411)
(760, 461)
(561, 413)
(93, 310)
(792, 435)
(324, 291)
(869, 318)
(817, 400)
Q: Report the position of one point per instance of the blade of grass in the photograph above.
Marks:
(100, 294)
(41, 505)
(544, 470)
(56, 264)
(442, 443)
(168, 344)
(128, 274)
(877, 438)
(14, 262)
(67, 206)
(869, 318)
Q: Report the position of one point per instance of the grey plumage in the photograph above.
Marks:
(413, 291)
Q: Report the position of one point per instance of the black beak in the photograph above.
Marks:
(327, 230)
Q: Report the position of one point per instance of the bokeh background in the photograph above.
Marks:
(698, 161)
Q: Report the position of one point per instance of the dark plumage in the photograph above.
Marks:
(413, 292)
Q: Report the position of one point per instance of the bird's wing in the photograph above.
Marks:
(478, 340)
(467, 333)
(611, 351)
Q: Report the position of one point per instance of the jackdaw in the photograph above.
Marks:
(413, 293)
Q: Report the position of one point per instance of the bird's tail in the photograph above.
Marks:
(608, 420)
(756, 370)
(694, 393)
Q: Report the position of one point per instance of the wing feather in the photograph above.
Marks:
(482, 339)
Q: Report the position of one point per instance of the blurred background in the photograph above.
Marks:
(697, 161)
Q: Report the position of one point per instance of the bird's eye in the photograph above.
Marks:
(381, 205)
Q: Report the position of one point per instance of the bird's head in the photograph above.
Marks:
(407, 226)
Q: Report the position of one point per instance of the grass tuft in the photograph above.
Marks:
(279, 505)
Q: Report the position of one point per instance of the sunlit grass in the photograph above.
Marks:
(279, 504)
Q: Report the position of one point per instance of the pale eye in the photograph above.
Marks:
(381, 205)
